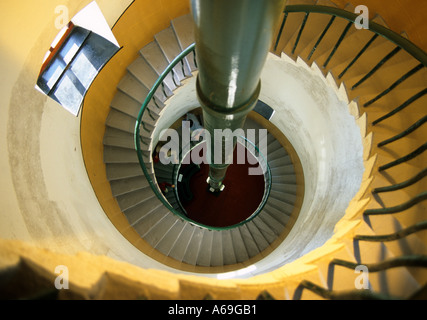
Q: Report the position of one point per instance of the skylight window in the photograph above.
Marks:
(75, 57)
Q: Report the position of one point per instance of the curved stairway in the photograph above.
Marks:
(388, 84)
(182, 240)
(388, 81)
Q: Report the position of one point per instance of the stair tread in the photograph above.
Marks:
(279, 215)
(133, 87)
(156, 59)
(385, 77)
(120, 120)
(260, 240)
(284, 179)
(160, 230)
(279, 162)
(194, 245)
(284, 197)
(367, 61)
(114, 154)
(265, 230)
(238, 245)
(205, 253)
(217, 258)
(328, 41)
(116, 171)
(293, 21)
(141, 70)
(281, 187)
(168, 43)
(283, 170)
(408, 116)
(122, 186)
(412, 244)
(315, 23)
(249, 241)
(273, 145)
(228, 254)
(136, 213)
(326, 3)
(387, 130)
(276, 154)
(181, 244)
(168, 241)
(118, 138)
(280, 205)
(126, 104)
(133, 198)
(275, 225)
(150, 219)
(350, 46)
(184, 30)
(397, 197)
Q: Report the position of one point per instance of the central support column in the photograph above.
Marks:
(233, 38)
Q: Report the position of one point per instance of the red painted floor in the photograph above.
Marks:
(241, 197)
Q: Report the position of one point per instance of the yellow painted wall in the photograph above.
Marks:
(135, 29)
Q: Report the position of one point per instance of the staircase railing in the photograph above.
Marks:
(376, 28)
(159, 84)
(401, 43)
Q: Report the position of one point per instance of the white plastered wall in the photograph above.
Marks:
(325, 136)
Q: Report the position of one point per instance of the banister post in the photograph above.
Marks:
(233, 38)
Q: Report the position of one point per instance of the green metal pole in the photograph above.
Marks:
(233, 38)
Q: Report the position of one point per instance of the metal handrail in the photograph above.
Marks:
(175, 174)
(404, 184)
(399, 208)
(402, 261)
(138, 123)
(267, 180)
(154, 186)
(336, 295)
(418, 54)
(401, 43)
(390, 35)
(393, 236)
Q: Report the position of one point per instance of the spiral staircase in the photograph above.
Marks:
(380, 77)
(379, 74)
(172, 235)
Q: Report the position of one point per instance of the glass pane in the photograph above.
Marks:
(74, 41)
(71, 53)
(53, 73)
(68, 95)
(83, 69)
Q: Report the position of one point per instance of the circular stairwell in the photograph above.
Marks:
(381, 77)
(188, 241)
(193, 243)
(384, 87)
